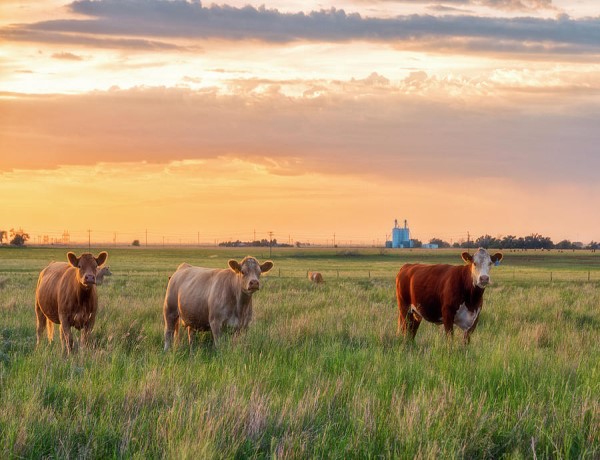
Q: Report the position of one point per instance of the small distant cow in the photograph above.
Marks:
(102, 272)
(315, 277)
(207, 299)
(443, 294)
(66, 295)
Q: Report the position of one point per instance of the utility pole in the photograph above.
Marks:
(334, 240)
(146, 237)
(270, 244)
(198, 238)
(89, 239)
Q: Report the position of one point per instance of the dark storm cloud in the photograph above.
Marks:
(168, 20)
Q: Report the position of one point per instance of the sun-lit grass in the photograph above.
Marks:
(320, 372)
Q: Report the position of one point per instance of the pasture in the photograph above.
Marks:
(319, 374)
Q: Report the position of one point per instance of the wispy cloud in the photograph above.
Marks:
(504, 5)
(130, 20)
(67, 57)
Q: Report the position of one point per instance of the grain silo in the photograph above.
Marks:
(401, 236)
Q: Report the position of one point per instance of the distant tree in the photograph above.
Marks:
(509, 242)
(593, 245)
(440, 243)
(487, 242)
(417, 243)
(3, 234)
(18, 237)
(135, 243)
(536, 241)
(565, 244)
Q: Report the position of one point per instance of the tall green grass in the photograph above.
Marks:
(319, 374)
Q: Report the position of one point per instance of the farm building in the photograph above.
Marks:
(400, 236)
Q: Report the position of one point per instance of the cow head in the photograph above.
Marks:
(105, 270)
(249, 270)
(87, 266)
(481, 262)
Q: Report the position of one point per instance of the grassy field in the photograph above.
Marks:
(319, 374)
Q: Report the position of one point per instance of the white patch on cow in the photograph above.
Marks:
(482, 263)
(465, 318)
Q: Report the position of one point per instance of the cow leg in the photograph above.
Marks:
(66, 337)
(190, 332)
(403, 312)
(448, 320)
(40, 324)
(407, 321)
(468, 332)
(413, 324)
(171, 325)
(215, 328)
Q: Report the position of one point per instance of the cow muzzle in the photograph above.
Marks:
(89, 280)
(483, 281)
(253, 286)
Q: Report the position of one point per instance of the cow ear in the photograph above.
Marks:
(467, 257)
(72, 258)
(101, 258)
(265, 267)
(235, 265)
(496, 258)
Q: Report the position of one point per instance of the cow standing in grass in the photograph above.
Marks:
(102, 272)
(66, 295)
(443, 294)
(315, 277)
(207, 299)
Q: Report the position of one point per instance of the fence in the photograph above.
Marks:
(517, 275)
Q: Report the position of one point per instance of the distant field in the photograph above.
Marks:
(319, 374)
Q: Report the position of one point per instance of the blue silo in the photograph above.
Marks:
(401, 236)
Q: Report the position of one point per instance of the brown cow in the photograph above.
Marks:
(315, 277)
(66, 295)
(207, 299)
(443, 294)
(102, 272)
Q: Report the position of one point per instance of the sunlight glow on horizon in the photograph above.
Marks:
(300, 118)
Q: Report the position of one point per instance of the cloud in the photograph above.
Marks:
(169, 22)
(367, 127)
(67, 57)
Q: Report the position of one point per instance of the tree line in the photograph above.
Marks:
(533, 241)
(18, 237)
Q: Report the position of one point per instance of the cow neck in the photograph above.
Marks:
(473, 294)
(244, 299)
(85, 294)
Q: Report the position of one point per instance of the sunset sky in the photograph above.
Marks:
(304, 118)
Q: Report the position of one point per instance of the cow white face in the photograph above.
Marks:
(481, 263)
(250, 270)
(87, 266)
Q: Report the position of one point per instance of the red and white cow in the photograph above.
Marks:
(66, 295)
(444, 294)
(315, 277)
(209, 299)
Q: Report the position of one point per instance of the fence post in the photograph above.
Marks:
(550, 276)
(588, 275)
(369, 274)
(280, 273)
